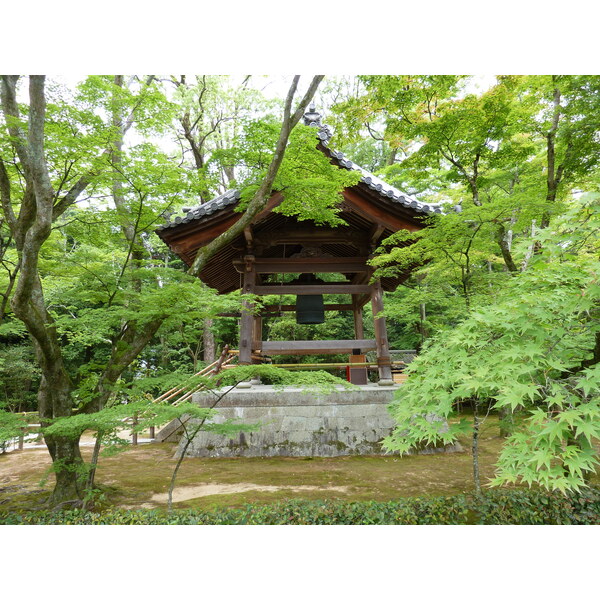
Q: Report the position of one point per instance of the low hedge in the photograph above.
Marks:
(500, 507)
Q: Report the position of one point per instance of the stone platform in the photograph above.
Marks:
(295, 422)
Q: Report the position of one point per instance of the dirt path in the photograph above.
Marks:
(212, 489)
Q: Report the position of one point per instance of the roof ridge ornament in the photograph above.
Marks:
(313, 119)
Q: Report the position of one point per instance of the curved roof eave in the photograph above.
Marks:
(232, 197)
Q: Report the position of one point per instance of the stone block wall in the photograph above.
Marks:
(297, 423)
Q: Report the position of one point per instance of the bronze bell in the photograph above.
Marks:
(310, 310)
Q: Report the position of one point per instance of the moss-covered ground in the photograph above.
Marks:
(137, 476)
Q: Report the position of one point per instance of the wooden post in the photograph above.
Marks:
(256, 343)
(152, 432)
(247, 318)
(383, 349)
(257, 332)
(358, 376)
(21, 438)
(134, 435)
(359, 330)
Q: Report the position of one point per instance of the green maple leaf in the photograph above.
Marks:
(587, 429)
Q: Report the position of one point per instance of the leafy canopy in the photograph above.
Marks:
(531, 351)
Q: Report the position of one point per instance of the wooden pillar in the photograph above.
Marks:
(383, 349)
(257, 331)
(358, 376)
(256, 342)
(247, 318)
(357, 311)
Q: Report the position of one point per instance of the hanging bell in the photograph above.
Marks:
(310, 310)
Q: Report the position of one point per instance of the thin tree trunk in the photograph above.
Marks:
(475, 447)
(189, 439)
(92, 472)
(422, 318)
(530, 250)
(506, 421)
(551, 179)
(504, 240)
(208, 337)
(261, 197)
(391, 158)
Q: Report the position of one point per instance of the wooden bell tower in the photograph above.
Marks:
(275, 244)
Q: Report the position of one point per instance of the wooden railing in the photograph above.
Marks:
(185, 391)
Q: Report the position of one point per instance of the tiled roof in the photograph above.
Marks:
(229, 198)
(384, 189)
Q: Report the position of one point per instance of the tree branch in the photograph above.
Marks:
(72, 195)
(261, 197)
(37, 161)
(13, 120)
(503, 242)
(5, 197)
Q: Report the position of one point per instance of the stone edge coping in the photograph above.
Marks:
(264, 395)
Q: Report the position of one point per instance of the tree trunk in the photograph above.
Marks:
(504, 241)
(554, 173)
(54, 400)
(94, 463)
(68, 468)
(421, 326)
(506, 422)
(209, 341)
(391, 158)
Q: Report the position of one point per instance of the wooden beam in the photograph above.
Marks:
(379, 215)
(312, 290)
(269, 311)
(248, 236)
(311, 265)
(376, 233)
(358, 372)
(292, 307)
(190, 236)
(362, 279)
(195, 238)
(362, 300)
(317, 346)
(312, 235)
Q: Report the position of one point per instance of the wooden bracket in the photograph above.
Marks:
(249, 259)
(249, 237)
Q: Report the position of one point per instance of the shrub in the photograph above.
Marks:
(498, 507)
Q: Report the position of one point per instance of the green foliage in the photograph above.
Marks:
(310, 184)
(535, 507)
(532, 350)
(221, 116)
(11, 427)
(498, 338)
(506, 507)
(315, 382)
(19, 376)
